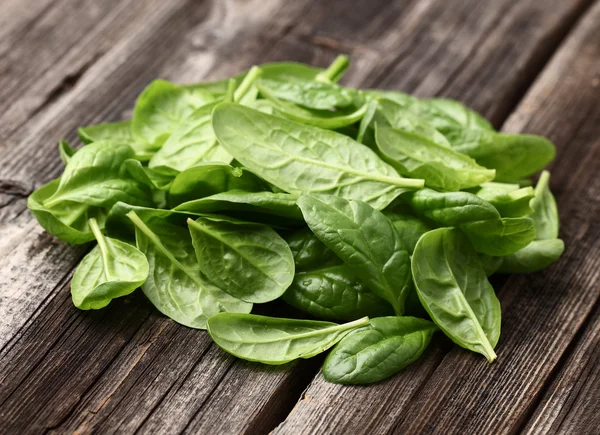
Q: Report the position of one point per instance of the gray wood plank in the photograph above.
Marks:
(570, 405)
(126, 368)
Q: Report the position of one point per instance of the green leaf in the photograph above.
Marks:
(161, 108)
(513, 156)
(500, 236)
(116, 132)
(409, 228)
(417, 156)
(309, 252)
(334, 293)
(378, 351)
(265, 207)
(193, 142)
(175, 285)
(68, 220)
(365, 240)
(302, 159)
(110, 270)
(248, 260)
(545, 212)
(464, 116)
(453, 287)
(275, 341)
(509, 199)
(65, 151)
(209, 179)
(94, 176)
(147, 176)
(536, 256)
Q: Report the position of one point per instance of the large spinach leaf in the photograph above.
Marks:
(175, 285)
(275, 341)
(453, 287)
(302, 159)
(365, 239)
(110, 270)
(248, 260)
(119, 133)
(376, 352)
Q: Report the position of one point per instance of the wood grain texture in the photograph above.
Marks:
(570, 404)
(126, 368)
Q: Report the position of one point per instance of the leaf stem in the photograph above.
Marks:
(243, 88)
(334, 71)
(230, 90)
(101, 243)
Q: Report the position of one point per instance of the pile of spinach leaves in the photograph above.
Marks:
(378, 215)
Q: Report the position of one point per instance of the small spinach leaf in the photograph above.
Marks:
(65, 151)
(538, 255)
(509, 199)
(116, 132)
(175, 285)
(365, 240)
(453, 287)
(248, 260)
(500, 236)
(272, 340)
(378, 351)
(110, 270)
(545, 212)
(309, 252)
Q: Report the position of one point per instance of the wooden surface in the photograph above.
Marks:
(529, 66)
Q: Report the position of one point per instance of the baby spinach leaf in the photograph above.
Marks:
(272, 340)
(161, 108)
(175, 285)
(110, 270)
(94, 176)
(65, 151)
(147, 176)
(509, 199)
(309, 252)
(451, 208)
(500, 236)
(116, 132)
(452, 286)
(209, 179)
(68, 220)
(193, 142)
(319, 118)
(417, 156)
(545, 212)
(490, 263)
(248, 260)
(334, 293)
(302, 159)
(266, 207)
(365, 240)
(409, 228)
(538, 255)
(513, 156)
(378, 351)
(464, 116)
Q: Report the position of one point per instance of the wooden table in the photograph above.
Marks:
(530, 66)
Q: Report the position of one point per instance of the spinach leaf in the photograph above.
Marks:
(65, 151)
(464, 116)
(452, 286)
(94, 176)
(302, 159)
(110, 270)
(378, 351)
(209, 179)
(175, 285)
(147, 176)
(417, 156)
(409, 228)
(536, 256)
(192, 143)
(161, 108)
(309, 252)
(513, 156)
(500, 236)
(266, 207)
(334, 293)
(365, 240)
(545, 212)
(275, 341)
(319, 118)
(116, 132)
(68, 220)
(248, 260)
(509, 199)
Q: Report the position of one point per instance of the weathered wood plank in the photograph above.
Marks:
(541, 312)
(123, 388)
(571, 405)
